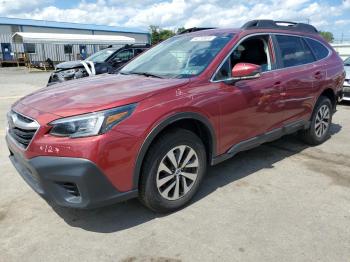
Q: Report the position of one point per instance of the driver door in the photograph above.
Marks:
(249, 107)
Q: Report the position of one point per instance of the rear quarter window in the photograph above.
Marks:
(294, 51)
(319, 49)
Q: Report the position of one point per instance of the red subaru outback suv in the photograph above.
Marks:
(194, 100)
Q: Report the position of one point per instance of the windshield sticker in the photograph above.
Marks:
(203, 38)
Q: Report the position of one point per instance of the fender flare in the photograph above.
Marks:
(159, 128)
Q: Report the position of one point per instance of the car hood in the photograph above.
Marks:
(69, 65)
(96, 93)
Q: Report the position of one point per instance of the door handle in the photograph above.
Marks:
(278, 85)
(318, 75)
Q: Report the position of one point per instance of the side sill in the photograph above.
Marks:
(261, 139)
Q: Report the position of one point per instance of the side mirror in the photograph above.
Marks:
(246, 71)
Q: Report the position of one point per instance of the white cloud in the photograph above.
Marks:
(346, 3)
(176, 13)
(342, 22)
(13, 6)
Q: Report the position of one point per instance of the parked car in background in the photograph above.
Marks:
(346, 88)
(192, 101)
(108, 60)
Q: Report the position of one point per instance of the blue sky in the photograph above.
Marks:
(327, 15)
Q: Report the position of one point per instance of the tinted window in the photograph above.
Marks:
(254, 50)
(320, 50)
(68, 49)
(293, 51)
(224, 72)
(124, 55)
(29, 48)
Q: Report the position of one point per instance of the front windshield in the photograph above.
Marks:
(347, 62)
(100, 56)
(178, 57)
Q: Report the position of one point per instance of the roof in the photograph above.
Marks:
(238, 31)
(65, 25)
(24, 37)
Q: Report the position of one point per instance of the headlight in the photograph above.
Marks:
(70, 71)
(90, 124)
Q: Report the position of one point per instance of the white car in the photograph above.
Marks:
(346, 89)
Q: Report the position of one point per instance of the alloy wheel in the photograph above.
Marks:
(322, 121)
(177, 172)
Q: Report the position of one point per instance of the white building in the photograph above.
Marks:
(81, 39)
(342, 49)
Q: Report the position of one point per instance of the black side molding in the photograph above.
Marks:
(260, 139)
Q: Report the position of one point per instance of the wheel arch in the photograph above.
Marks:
(329, 92)
(195, 122)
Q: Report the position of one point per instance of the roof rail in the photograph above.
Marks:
(194, 29)
(284, 25)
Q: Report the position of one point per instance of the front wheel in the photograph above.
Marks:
(321, 121)
(173, 169)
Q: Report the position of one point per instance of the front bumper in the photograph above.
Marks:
(58, 77)
(66, 181)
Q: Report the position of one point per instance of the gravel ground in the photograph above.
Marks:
(283, 201)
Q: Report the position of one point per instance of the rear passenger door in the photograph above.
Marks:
(298, 73)
(321, 65)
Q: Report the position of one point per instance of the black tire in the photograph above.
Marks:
(309, 135)
(171, 142)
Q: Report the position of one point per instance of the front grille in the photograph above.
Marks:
(21, 128)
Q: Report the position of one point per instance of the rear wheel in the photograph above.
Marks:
(173, 169)
(321, 121)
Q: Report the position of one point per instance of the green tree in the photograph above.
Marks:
(158, 34)
(180, 29)
(328, 36)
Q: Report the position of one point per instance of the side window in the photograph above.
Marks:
(68, 49)
(29, 48)
(293, 51)
(319, 50)
(254, 50)
(124, 55)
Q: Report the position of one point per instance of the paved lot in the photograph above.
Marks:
(283, 201)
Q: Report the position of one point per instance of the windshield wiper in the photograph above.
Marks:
(142, 74)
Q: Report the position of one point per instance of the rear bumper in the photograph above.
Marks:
(70, 182)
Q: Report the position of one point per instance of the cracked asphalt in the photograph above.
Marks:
(282, 201)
